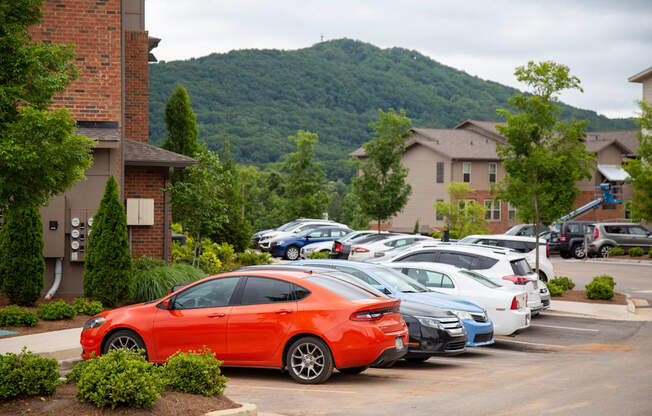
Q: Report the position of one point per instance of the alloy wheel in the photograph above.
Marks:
(308, 361)
(579, 251)
(292, 253)
(604, 251)
(124, 342)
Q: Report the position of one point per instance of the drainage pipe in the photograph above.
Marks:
(57, 279)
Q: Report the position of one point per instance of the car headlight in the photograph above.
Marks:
(94, 322)
(280, 243)
(462, 315)
(428, 321)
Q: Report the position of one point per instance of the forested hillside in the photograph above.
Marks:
(257, 98)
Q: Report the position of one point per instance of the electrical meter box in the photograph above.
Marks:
(140, 211)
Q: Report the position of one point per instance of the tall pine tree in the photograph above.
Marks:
(108, 272)
(181, 123)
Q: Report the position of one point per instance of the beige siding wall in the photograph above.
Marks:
(610, 155)
(421, 162)
(647, 90)
(479, 173)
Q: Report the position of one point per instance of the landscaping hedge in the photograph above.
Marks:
(602, 287)
(84, 306)
(636, 252)
(564, 282)
(27, 374)
(554, 289)
(16, 316)
(194, 372)
(55, 311)
(616, 251)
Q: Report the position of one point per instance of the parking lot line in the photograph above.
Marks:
(293, 389)
(565, 327)
(643, 291)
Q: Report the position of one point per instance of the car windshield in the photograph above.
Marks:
(479, 278)
(287, 226)
(352, 237)
(399, 281)
(513, 230)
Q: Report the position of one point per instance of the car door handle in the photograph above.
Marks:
(216, 315)
(283, 312)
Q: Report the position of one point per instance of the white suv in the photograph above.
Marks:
(500, 265)
(523, 245)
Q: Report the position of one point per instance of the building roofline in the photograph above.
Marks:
(641, 76)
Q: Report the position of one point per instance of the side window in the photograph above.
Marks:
(260, 290)
(482, 263)
(316, 234)
(402, 242)
(615, 229)
(494, 243)
(457, 259)
(446, 282)
(638, 231)
(300, 292)
(360, 275)
(573, 228)
(211, 294)
(422, 256)
(422, 276)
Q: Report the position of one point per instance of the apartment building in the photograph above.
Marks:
(109, 100)
(467, 153)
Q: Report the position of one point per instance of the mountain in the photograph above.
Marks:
(257, 98)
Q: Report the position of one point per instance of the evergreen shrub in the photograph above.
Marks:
(607, 279)
(14, 315)
(55, 311)
(84, 306)
(554, 289)
(616, 251)
(602, 287)
(564, 282)
(27, 374)
(319, 255)
(194, 372)
(636, 252)
(251, 258)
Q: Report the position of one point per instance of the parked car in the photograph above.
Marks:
(327, 246)
(255, 238)
(342, 247)
(571, 238)
(297, 228)
(526, 230)
(478, 326)
(520, 244)
(305, 322)
(552, 237)
(608, 235)
(501, 266)
(377, 248)
(289, 246)
(505, 305)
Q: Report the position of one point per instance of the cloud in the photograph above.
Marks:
(603, 42)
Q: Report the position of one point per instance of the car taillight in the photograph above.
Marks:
(515, 305)
(547, 249)
(596, 233)
(372, 314)
(360, 250)
(517, 280)
(338, 247)
(562, 238)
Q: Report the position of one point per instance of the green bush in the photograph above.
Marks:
(119, 378)
(564, 282)
(22, 265)
(55, 311)
(250, 258)
(76, 372)
(156, 282)
(649, 253)
(554, 289)
(84, 306)
(108, 268)
(318, 255)
(636, 252)
(616, 251)
(607, 279)
(27, 374)
(599, 289)
(194, 372)
(148, 262)
(14, 315)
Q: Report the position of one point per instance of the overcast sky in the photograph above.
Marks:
(604, 42)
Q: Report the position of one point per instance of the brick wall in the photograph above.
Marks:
(93, 26)
(147, 182)
(136, 86)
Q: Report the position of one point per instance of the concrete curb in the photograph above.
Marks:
(69, 363)
(631, 308)
(246, 409)
(619, 261)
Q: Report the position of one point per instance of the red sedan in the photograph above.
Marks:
(306, 322)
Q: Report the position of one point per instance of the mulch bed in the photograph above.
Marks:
(64, 403)
(42, 325)
(580, 296)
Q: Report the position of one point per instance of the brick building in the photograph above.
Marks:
(109, 100)
(467, 153)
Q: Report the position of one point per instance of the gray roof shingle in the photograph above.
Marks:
(143, 154)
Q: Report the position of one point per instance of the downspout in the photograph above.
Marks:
(57, 279)
(122, 99)
(166, 217)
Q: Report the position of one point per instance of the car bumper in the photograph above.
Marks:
(426, 341)
(364, 344)
(390, 354)
(359, 256)
(91, 342)
(509, 321)
(478, 333)
(277, 251)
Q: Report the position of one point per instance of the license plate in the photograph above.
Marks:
(399, 343)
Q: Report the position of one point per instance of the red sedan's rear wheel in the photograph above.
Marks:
(309, 361)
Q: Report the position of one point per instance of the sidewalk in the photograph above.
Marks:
(62, 345)
(599, 311)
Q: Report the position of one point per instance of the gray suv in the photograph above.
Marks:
(608, 235)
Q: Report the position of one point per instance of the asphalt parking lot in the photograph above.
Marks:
(561, 365)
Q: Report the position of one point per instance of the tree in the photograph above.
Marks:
(463, 217)
(108, 274)
(304, 179)
(181, 124)
(198, 200)
(22, 265)
(381, 189)
(640, 169)
(39, 154)
(543, 158)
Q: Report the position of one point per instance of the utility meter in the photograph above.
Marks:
(74, 245)
(75, 222)
(75, 233)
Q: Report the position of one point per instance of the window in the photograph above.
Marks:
(636, 230)
(260, 290)
(439, 216)
(511, 212)
(492, 210)
(464, 203)
(344, 289)
(492, 173)
(456, 259)
(520, 267)
(480, 279)
(211, 294)
(422, 256)
(338, 233)
(360, 275)
(466, 171)
(440, 172)
(318, 234)
(300, 292)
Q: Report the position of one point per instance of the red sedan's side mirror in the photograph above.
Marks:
(166, 304)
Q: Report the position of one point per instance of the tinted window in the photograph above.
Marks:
(300, 292)
(520, 246)
(357, 273)
(482, 263)
(573, 228)
(638, 231)
(520, 267)
(457, 259)
(427, 277)
(211, 294)
(422, 256)
(398, 280)
(344, 289)
(615, 229)
(262, 290)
